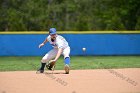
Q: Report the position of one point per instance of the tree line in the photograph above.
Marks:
(69, 15)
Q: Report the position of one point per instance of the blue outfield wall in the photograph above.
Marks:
(95, 44)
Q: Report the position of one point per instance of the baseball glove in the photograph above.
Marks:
(50, 65)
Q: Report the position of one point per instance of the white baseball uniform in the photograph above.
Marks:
(60, 42)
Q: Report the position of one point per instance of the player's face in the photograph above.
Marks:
(53, 36)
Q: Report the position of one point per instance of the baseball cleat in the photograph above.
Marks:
(67, 68)
(39, 71)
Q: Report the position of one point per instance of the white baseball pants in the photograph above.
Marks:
(52, 54)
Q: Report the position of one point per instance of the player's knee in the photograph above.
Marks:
(44, 60)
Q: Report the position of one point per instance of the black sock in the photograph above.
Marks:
(42, 66)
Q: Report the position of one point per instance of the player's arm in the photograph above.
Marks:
(60, 44)
(44, 42)
(58, 54)
(60, 49)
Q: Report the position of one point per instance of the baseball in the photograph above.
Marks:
(84, 49)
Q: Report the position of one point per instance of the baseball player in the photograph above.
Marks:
(60, 46)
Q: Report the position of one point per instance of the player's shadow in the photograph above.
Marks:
(54, 73)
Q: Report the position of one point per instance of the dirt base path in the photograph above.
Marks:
(78, 81)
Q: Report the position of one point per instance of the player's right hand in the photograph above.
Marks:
(42, 44)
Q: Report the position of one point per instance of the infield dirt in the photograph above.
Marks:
(78, 81)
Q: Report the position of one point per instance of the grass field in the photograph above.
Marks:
(77, 62)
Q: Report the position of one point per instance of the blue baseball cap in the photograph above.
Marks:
(52, 31)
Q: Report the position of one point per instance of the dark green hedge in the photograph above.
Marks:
(38, 15)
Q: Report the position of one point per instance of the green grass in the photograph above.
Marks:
(77, 62)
